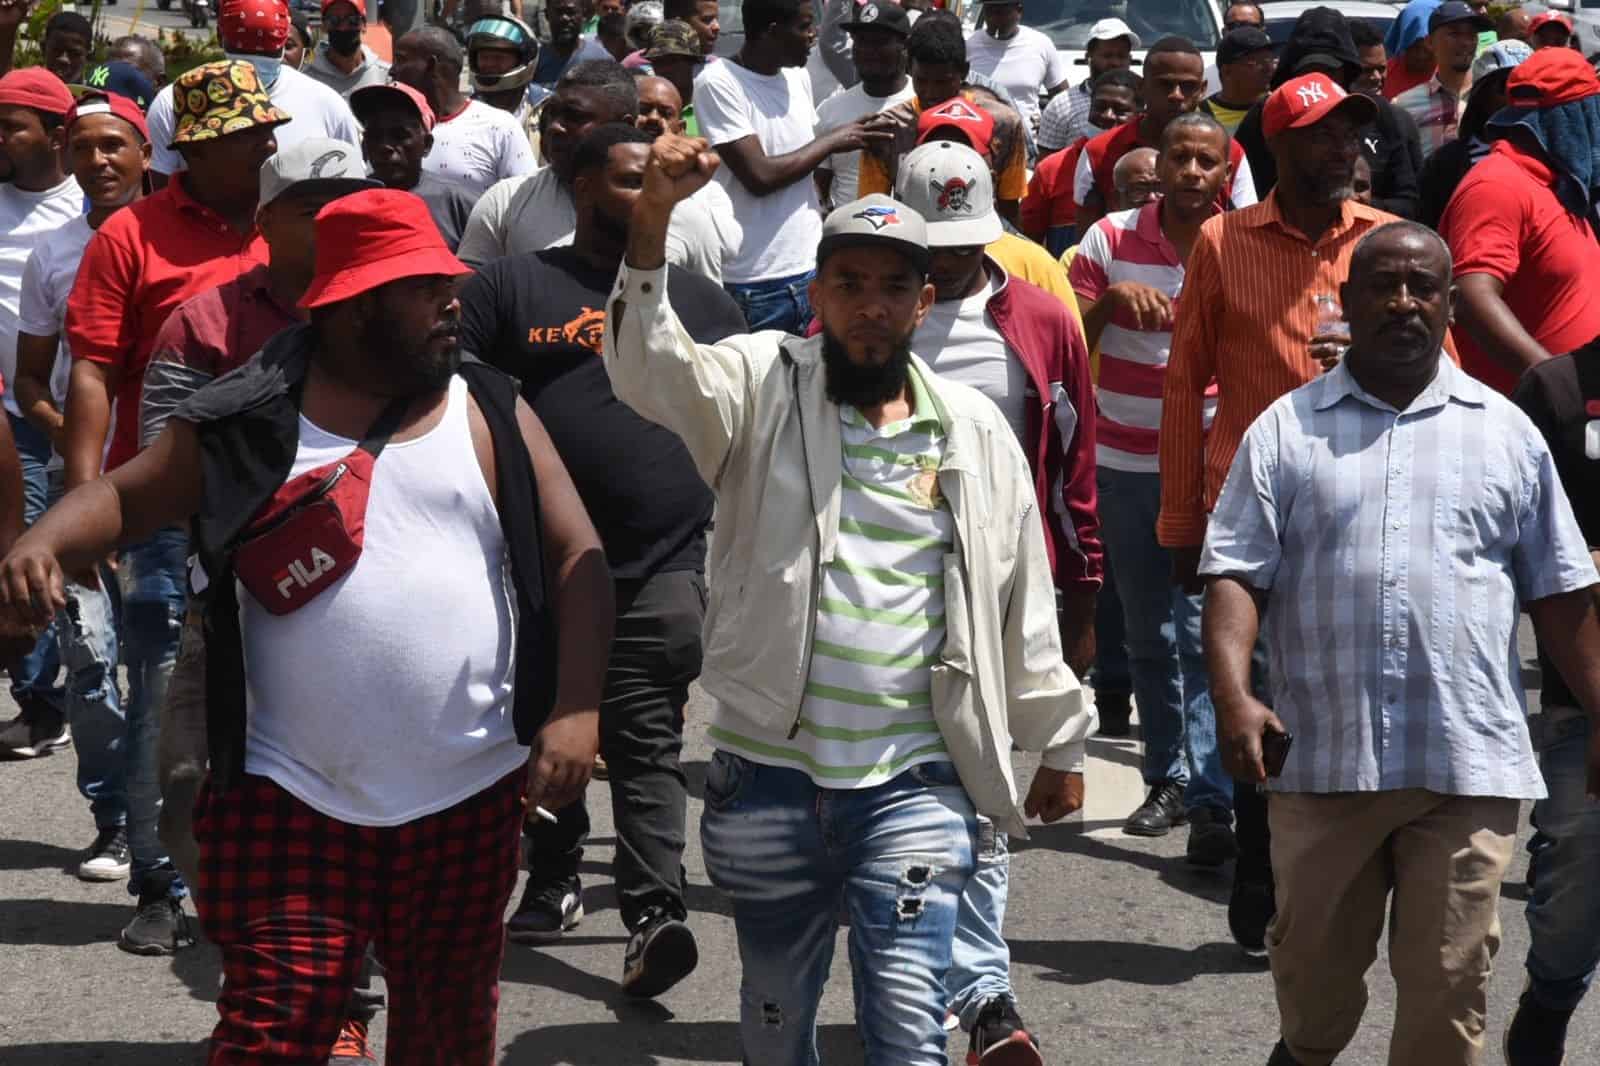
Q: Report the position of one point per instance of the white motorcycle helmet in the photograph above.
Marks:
(502, 31)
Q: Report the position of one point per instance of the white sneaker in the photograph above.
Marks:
(108, 856)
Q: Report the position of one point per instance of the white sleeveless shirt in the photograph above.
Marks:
(388, 696)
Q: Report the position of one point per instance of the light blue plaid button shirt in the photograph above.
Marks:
(1395, 549)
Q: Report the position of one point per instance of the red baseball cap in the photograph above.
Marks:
(371, 238)
(255, 27)
(359, 5)
(1544, 18)
(363, 100)
(37, 88)
(1307, 100)
(109, 104)
(1549, 77)
(962, 114)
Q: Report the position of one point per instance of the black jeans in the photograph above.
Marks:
(655, 654)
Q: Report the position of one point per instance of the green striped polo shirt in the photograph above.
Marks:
(867, 713)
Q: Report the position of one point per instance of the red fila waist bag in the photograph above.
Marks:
(310, 533)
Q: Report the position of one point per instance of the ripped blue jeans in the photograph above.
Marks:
(788, 854)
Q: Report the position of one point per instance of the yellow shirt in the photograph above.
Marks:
(1021, 258)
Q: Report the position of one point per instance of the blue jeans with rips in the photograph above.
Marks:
(1563, 910)
(778, 303)
(1169, 671)
(788, 853)
(980, 968)
(155, 592)
(33, 678)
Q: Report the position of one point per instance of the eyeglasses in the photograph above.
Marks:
(344, 22)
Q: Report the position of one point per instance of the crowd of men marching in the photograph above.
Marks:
(370, 394)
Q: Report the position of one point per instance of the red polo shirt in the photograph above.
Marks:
(1048, 212)
(1505, 221)
(147, 259)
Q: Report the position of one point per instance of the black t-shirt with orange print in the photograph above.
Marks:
(540, 317)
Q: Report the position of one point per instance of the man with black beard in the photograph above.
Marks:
(882, 627)
(341, 61)
(355, 741)
(539, 317)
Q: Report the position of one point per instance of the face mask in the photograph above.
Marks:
(267, 67)
(345, 42)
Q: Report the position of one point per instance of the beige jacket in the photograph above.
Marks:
(754, 415)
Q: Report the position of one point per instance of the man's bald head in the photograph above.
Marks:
(438, 44)
(1134, 177)
(660, 106)
(1402, 236)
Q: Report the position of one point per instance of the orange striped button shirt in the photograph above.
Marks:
(1245, 319)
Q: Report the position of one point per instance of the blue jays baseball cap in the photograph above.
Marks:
(875, 221)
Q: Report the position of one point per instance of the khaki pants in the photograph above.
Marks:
(1335, 860)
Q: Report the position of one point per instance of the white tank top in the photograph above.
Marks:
(388, 696)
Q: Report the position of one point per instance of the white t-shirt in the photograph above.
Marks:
(27, 219)
(1026, 64)
(841, 109)
(532, 213)
(314, 110)
(961, 342)
(361, 706)
(478, 146)
(781, 231)
(46, 283)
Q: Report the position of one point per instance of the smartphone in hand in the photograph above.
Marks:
(1275, 752)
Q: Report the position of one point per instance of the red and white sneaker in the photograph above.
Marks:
(999, 1037)
(352, 1049)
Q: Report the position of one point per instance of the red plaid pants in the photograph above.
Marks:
(294, 897)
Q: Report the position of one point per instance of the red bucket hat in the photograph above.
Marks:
(374, 237)
(1549, 77)
(1307, 100)
(256, 27)
(37, 88)
(962, 114)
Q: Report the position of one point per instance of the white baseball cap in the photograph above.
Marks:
(1110, 30)
(950, 186)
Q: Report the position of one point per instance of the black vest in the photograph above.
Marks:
(249, 430)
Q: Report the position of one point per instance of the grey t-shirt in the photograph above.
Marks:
(449, 205)
(372, 71)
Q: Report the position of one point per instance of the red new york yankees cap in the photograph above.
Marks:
(1307, 100)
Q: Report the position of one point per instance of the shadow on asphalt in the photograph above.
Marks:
(32, 855)
(1212, 884)
(62, 923)
(1085, 962)
(112, 1053)
(650, 1045)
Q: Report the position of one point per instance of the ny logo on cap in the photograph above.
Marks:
(878, 217)
(954, 195)
(1311, 93)
(868, 14)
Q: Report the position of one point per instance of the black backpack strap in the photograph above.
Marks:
(383, 427)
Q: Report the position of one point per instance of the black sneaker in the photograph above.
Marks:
(1115, 709)
(1161, 810)
(660, 953)
(547, 910)
(999, 1037)
(108, 856)
(159, 926)
(1211, 841)
(1537, 1035)
(1250, 911)
(39, 730)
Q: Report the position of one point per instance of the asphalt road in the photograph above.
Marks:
(1120, 954)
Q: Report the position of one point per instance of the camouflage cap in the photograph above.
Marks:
(674, 37)
(220, 98)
